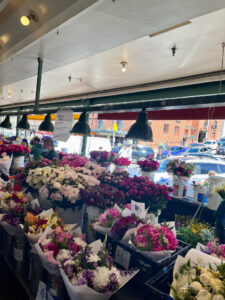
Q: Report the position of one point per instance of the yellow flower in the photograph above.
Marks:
(35, 227)
(44, 226)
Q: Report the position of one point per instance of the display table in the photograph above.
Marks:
(187, 207)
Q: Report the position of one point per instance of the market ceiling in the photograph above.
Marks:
(87, 40)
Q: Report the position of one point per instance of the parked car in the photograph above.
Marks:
(174, 151)
(191, 145)
(221, 149)
(140, 151)
(202, 168)
(211, 144)
(221, 141)
(198, 150)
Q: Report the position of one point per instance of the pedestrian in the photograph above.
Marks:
(48, 149)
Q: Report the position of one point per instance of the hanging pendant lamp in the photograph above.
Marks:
(6, 123)
(141, 130)
(82, 127)
(46, 125)
(23, 123)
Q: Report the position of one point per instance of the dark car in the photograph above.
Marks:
(174, 151)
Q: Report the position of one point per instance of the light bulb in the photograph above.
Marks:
(124, 64)
(25, 21)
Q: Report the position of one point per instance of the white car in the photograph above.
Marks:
(198, 150)
(202, 168)
(212, 145)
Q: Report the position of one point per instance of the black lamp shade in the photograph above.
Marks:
(23, 123)
(141, 130)
(6, 123)
(82, 127)
(46, 125)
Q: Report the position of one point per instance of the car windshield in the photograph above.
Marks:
(193, 150)
(223, 145)
(173, 148)
(207, 143)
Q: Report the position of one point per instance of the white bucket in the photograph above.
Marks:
(179, 186)
(214, 198)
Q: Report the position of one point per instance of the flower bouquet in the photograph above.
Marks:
(34, 226)
(213, 249)
(103, 196)
(141, 189)
(73, 160)
(113, 178)
(121, 163)
(198, 276)
(156, 242)
(193, 232)
(181, 171)
(56, 246)
(105, 220)
(148, 167)
(91, 275)
(103, 158)
(123, 224)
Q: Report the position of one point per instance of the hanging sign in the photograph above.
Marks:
(115, 126)
(138, 209)
(63, 125)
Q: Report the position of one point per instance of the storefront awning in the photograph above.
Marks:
(53, 117)
(213, 113)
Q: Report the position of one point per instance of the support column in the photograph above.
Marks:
(38, 85)
(84, 141)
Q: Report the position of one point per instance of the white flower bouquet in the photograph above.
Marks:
(198, 276)
(91, 274)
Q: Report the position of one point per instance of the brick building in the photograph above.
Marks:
(169, 131)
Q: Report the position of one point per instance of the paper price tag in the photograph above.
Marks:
(138, 209)
(63, 125)
(122, 257)
(43, 292)
(18, 254)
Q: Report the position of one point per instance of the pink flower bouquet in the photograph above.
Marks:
(150, 239)
(73, 160)
(123, 224)
(122, 161)
(180, 168)
(108, 217)
(215, 250)
(104, 158)
(148, 165)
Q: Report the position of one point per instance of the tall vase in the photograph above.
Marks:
(179, 186)
(18, 162)
(149, 175)
(120, 168)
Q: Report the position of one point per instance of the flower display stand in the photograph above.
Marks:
(215, 199)
(18, 162)
(149, 175)
(200, 194)
(72, 216)
(179, 186)
(92, 211)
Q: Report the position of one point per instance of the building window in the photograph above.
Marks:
(166, 128)
(176, 129)
(100, 124)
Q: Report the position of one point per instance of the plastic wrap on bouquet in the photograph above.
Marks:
(5, 164)
(156, 255)
(86, 293)
(51, 267)
(18, 162)
(214, 198)
(101, 229)
(15, 231)
(71, 216)
(92, 211)
(121, 168)
(152, 219)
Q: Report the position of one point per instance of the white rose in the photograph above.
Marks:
(74, 280)
(217, 285)
(204, 295)
(206, 278)
(196, 286)
(218, 297)
(69, 262)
